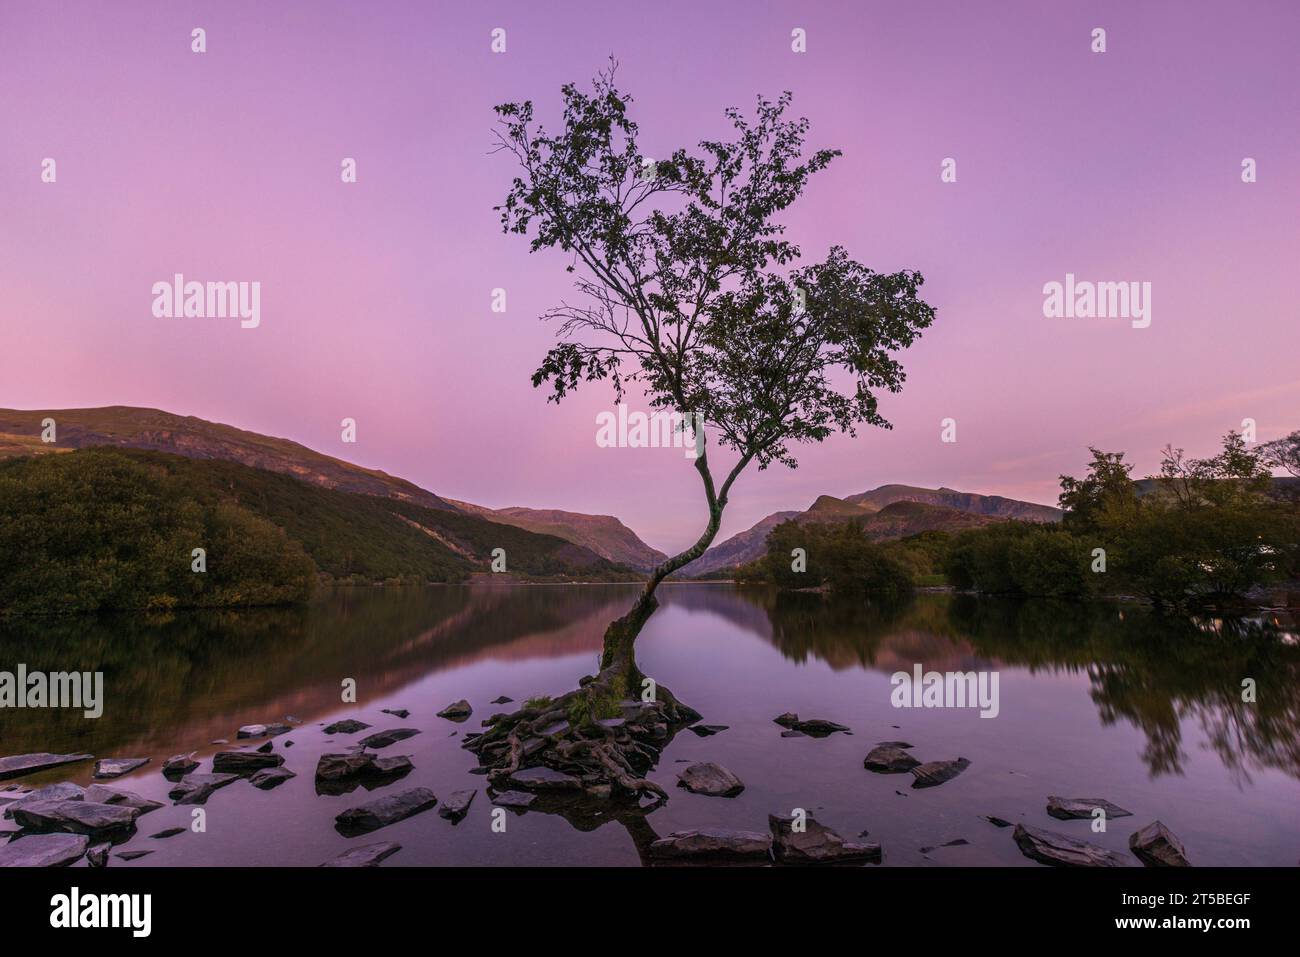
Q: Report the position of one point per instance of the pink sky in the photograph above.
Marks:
(375, 296)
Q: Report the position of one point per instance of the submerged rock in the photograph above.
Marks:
(382, 739)
(397, 712)
(542, 778)
(346, 726)
(166, 833)
(44, 850)
(367, 856)
(708, 778)
(457, 806)
(76, 817)
(1156, 846)
(386, 810)
(1059, 850)
(197, 788)
(243, 762)
(789, 719)
(132, 855)
(708, 730)
(179, 765)
(1065, 809)
(816, 844)
(937, 772)
(456, 711)
(19, 764)
(519, 799)
(889, 759)
(268, 778)
(501, 700)
(714, 844)
(997, 821)
(107, 795)
(816, 727)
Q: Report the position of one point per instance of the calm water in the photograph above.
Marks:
(1095, 702)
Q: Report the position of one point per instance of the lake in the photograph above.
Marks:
(1102, 700)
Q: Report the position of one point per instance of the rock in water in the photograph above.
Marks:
(106, 795)
(937, 772)
(502, 700)
(76, 817)
(242, 762)
(542, 778)
(44, 850)
(713, 844)
(251, 731)
(1058, 850)
(819, 727)
(397, 712)
(116, 767)
(97, 856)
(711, 779)
(456, 806)
(386, 810)
(1065, 809)
(268, 778)
(166, 833)
(382, 739)
(179, 765)
(19, 764)
(197, 788)
(63, 791)
(346, 726)
(1156, 846)
(888, 759)
(457, 710)
(519, 799)
(789, 719)
(816, 844)
(708, 730)
(368, 856)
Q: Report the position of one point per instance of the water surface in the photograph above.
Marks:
(1095, 701)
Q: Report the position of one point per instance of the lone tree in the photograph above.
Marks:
(690, 293)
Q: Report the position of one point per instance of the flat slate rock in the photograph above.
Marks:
(708, 730)
(1156, 846)
(107, 795)
(544, 779)
(63, 791)
(387, 810)
(368, 855)
(513, 798)
(457, 710)
(382, 739)
(359, 764)
(133, 855)
(268, 778)
(713, 844)
(1065, 809)
(937, 772)
(889, 759)
(76, 817)
(242, 762)
(251, 731)
(116, 767)
(457, 806)
(1060, 850)
(197, 788)
(19, 764)
(815, 727)
(44, 850)
(166, 833)
(997, 821)
(502, 700)
(816, 844)
(346, 726)
(397, 712)
(705, 777)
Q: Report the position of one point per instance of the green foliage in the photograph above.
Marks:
(99, 529)
(838, 556)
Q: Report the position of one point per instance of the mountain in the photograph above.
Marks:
(195, 438)
(888, 512)
(159, 431)
(603, 534)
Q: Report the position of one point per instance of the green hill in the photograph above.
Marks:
(113, 528)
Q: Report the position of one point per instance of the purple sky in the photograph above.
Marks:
(1122, 166)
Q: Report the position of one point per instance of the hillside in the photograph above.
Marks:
(888, 512)
(111, 528)
(603, 534)
(155, 430)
